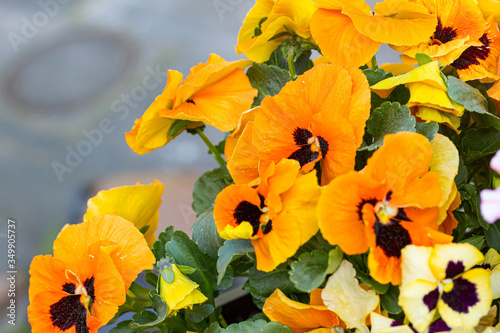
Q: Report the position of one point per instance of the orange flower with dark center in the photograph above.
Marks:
(393, 202)
(81, 287)
(480, 62)
(319, 117)
(278, 216)
(460, 25)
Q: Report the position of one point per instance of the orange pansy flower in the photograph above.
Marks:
(320, 116)
(79, 297)
(300, 317)
(215, 93)
(350, 34)
(125, 245)
(269, 18)
(481, 62)
(278, 215)
(460, 25)
(393, 202)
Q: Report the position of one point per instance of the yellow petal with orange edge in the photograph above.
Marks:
(449, 222)
(490, 7)
(344, 296)
(276, 179)
(429, 74)
(469, 319)
(232, 139)
(301, 201)
(445, 162)
(244, 162)
(206, 74)
(339, 4)
(426, 95)
(130, 256)
(396, 22)
(463, 253)
(278, 245)
(181, 293)
(219, 104)
(300, 12)
(339, 39)
(430, 114)
(298, 316)
(494, 91)
(397, 69)
(138, 204)
(259, 11)
(151, 131)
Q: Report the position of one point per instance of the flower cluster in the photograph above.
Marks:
(352, 197)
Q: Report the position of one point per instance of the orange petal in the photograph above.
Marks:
(232, 139)
(382, 268)
(339, 39)
(219, 104)
(395, 22)
(130, 252)
(339, 211)
(298, 316)
(244, 163)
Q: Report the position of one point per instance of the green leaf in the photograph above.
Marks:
(159, 246)
(389, 118)
(260, 326)
(375, 75)
(461, 176)
(423, 59)
(199, 312)
(232, 249)
(473, 200)
(389, 300)
(478, 241)
(492, 236)
(208, 186)
(268, 80)
(481, 142)
(465, 95)
(428, 129)
(310, 270)
(122, 327)
(150, 319)
(264, 284)
(206, 235)
(186, 252)
(177, 126)
(213, 328)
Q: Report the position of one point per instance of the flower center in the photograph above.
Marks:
(447, 285)
(257, 216)
(311, 148)
(385, 212)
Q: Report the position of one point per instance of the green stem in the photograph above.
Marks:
(374, 62)
(291, 64)
(222, 321)
(212, 317)
(211, 147)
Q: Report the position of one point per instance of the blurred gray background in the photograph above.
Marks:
(74, 75)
